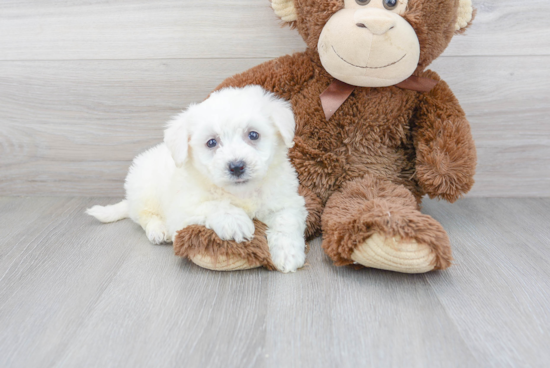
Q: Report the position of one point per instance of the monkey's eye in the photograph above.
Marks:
(212, 143)
(362, 2)
(390, 4)
(254, 136)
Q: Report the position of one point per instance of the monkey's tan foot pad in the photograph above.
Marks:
(204, 248)
(231, 263)
(395, 254)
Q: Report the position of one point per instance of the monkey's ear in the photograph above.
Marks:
(466, 15)
(285, 10)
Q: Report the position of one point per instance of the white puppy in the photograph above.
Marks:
(223, 162)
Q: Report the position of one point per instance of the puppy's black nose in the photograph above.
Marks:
(237, 168)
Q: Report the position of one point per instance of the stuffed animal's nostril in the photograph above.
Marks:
(237, 168)
(375, 23)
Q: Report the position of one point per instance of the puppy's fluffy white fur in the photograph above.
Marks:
(183, 181)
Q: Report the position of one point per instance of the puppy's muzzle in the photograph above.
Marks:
(237, 168)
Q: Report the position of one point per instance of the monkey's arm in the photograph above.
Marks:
(445, 151)
(283, 76)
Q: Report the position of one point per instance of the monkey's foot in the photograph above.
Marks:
(395, 254)
(231, 263)
(204, 248)
(377, 224)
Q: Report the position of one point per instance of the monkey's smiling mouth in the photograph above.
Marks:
(367, 67)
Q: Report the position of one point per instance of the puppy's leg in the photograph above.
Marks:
(227, 221)
(147, 184)
(285, 237)
(155, 228)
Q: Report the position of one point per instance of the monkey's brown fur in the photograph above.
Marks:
(195, 240)
(383, 149)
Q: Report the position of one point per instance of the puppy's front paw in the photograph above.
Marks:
(287, 253)
(231, 225)
(157, 233)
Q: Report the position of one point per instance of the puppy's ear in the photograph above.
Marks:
(176, 138)
(283, 118)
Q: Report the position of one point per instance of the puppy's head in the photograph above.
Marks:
(234, 136)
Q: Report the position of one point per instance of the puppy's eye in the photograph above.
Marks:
(254, 136)
(362, 2)
(390, 4)
(212, 143)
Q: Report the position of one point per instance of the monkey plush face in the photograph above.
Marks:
(376, 43)
(369, 44)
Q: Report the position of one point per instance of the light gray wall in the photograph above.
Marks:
(86, 85)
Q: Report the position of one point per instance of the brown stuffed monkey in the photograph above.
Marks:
(375, 132)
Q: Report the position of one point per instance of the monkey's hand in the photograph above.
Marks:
(445, 151)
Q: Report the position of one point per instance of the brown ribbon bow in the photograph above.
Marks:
(338, 92)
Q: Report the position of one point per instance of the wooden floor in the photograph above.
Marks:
(74, 293)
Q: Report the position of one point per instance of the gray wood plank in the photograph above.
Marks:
(72, 127)
(499, 289)
(141, 29)
(92, 295)
(52, 270)
(341, 317)
(77, 293)
(505, 27)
